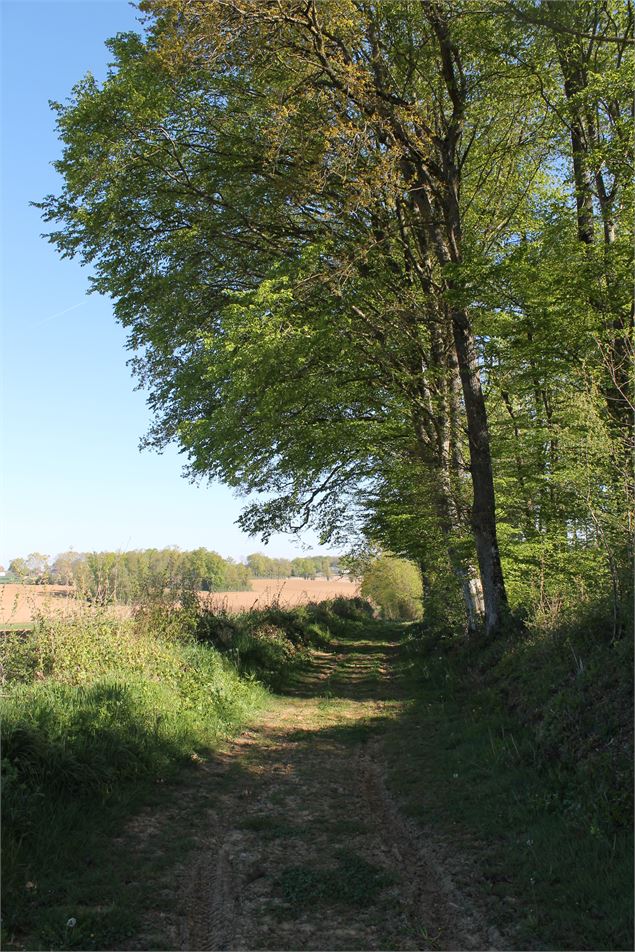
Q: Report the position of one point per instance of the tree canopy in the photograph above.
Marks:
(374, 263)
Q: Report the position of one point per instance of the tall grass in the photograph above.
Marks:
(94, 709)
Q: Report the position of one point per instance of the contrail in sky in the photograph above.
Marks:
(59, 314)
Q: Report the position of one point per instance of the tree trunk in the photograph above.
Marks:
(589, 181)
(443, 231)
(449, 521)
(483, 516)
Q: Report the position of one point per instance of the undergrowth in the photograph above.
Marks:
(523, 747)
(273, 643)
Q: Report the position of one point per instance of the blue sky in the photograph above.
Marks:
(72, 472)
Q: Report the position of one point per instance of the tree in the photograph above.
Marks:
(394, 585)
(19, 567)
(260, 565)
(38, 566)
(593, 46)
(64, 567)
(204, 569)
(309, 218)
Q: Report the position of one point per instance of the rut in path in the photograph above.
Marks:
(304, 848)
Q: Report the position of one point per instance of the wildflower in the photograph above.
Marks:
(530, 842)
(71, 923)
(455, 775)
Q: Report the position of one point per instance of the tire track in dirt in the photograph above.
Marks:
(207, 922)
(305, 848)
(438, 910)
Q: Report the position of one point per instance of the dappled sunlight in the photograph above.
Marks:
(304, 847)
(353, 668)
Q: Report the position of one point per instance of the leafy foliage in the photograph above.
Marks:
(394, 585)
(374, 262)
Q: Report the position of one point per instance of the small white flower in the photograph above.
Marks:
(71, 923)
(455, 775)
(530, 842)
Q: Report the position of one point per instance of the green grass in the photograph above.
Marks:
(353, 881)
(522, 758)
(97, 715)
(80, 866)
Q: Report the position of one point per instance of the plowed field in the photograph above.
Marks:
(23, 603)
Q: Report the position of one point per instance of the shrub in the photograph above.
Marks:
(267, 643)
(216, 628)
(394, 585)
(266, 652)
(352, 609)
(291, 621)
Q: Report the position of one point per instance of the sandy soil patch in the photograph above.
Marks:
(23, 603)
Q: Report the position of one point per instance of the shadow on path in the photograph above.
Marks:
(299, 846)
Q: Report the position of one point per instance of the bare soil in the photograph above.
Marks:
(297, 843)
(23, 603)
(287, 591)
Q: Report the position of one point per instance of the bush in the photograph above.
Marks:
(97, 684)
(352, 609)
(394, 585)
(216, 628)
(266, 652)
(292, 621)
(268, 643)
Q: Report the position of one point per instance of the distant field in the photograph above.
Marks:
(22, 603)
(288, 591)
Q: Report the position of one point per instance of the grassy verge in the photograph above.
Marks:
(102, 717)
(273, 643)
(521, 751)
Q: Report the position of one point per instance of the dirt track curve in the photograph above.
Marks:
(301, 846)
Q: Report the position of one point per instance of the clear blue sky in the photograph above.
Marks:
(72, 472)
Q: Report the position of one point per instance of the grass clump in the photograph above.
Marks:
(352, 882)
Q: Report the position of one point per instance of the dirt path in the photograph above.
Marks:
(302, 847)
